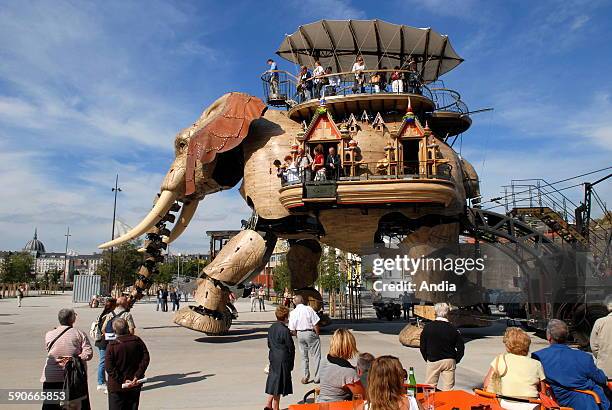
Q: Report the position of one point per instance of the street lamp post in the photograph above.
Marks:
(66, 260)
(116, 189)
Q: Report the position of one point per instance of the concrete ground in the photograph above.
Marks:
(190, 370)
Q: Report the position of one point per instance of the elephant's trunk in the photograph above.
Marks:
(184, 218)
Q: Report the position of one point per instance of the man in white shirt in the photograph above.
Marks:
(304, 322)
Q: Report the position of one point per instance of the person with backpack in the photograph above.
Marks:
(64, 344)
(97, 334)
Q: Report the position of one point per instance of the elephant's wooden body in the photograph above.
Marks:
(237, 139)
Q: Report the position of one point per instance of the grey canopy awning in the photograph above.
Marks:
(336, 43)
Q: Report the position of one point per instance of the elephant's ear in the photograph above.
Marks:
(225, 130)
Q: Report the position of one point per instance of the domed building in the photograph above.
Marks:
(34, 246)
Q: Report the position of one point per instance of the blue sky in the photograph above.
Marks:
(91, 89)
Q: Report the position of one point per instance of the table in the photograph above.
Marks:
(443, 400)
(447, 400)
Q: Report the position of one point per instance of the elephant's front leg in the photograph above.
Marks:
(303, 263)
(238, 259)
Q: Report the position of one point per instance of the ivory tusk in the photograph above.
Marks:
(161, 207)
(187, 213)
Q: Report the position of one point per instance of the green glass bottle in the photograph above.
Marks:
(412, 381)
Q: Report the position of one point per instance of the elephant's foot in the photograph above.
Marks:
(195, 318)
(312, 298)
(212, 315)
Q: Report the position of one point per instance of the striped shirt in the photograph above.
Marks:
(73, 342)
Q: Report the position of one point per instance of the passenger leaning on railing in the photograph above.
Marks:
(304, 86)
(358, 67)
(332, 164)
(332, 83)
(318, 81)
(273, 77)
(302, 163)
(318, 166)
(397, 81)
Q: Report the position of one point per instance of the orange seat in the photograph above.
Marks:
(549, 392)
(545, 403)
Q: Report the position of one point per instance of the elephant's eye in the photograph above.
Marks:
(182, 145)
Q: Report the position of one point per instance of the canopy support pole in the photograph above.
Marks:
(333, 44)
(441, 58)
(425, 53)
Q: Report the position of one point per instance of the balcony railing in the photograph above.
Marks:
(283, 89)
(363, 171)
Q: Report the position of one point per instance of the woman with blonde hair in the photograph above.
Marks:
(514, 373)
(386, 386)
(339, 378)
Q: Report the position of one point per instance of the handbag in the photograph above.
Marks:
(75, 379)
(494, 385)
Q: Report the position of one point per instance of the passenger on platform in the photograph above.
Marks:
(332, 85)
(601, 340)
(339, 379)
(304, 324)
(383, 81)
(280, 171)
(160, 302)
(414, 83)
(375, 81)
(364, 362)
(566, 368)
(386, 389)
(281, 357)
(358, 68)
(62, 344)
(442, 348)
(520, 376)
(291, 171)
(318, 165)
(397, 81)
(303, 162)
(332, 164)
(318, 81)
(273, 78)
(304, 86)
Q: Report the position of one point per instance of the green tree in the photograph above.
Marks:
(281, 276)
(16, 267)
(330, 275)
(126, 261)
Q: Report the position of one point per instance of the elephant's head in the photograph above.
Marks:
(220, 128)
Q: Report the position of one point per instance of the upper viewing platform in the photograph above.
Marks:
(367, 66)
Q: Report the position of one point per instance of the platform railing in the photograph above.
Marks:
(364, 171)
(446, 99)
(292, 91)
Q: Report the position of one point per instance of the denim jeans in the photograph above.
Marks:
(101, 375)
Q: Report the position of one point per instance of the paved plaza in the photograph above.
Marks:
(190, 370)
